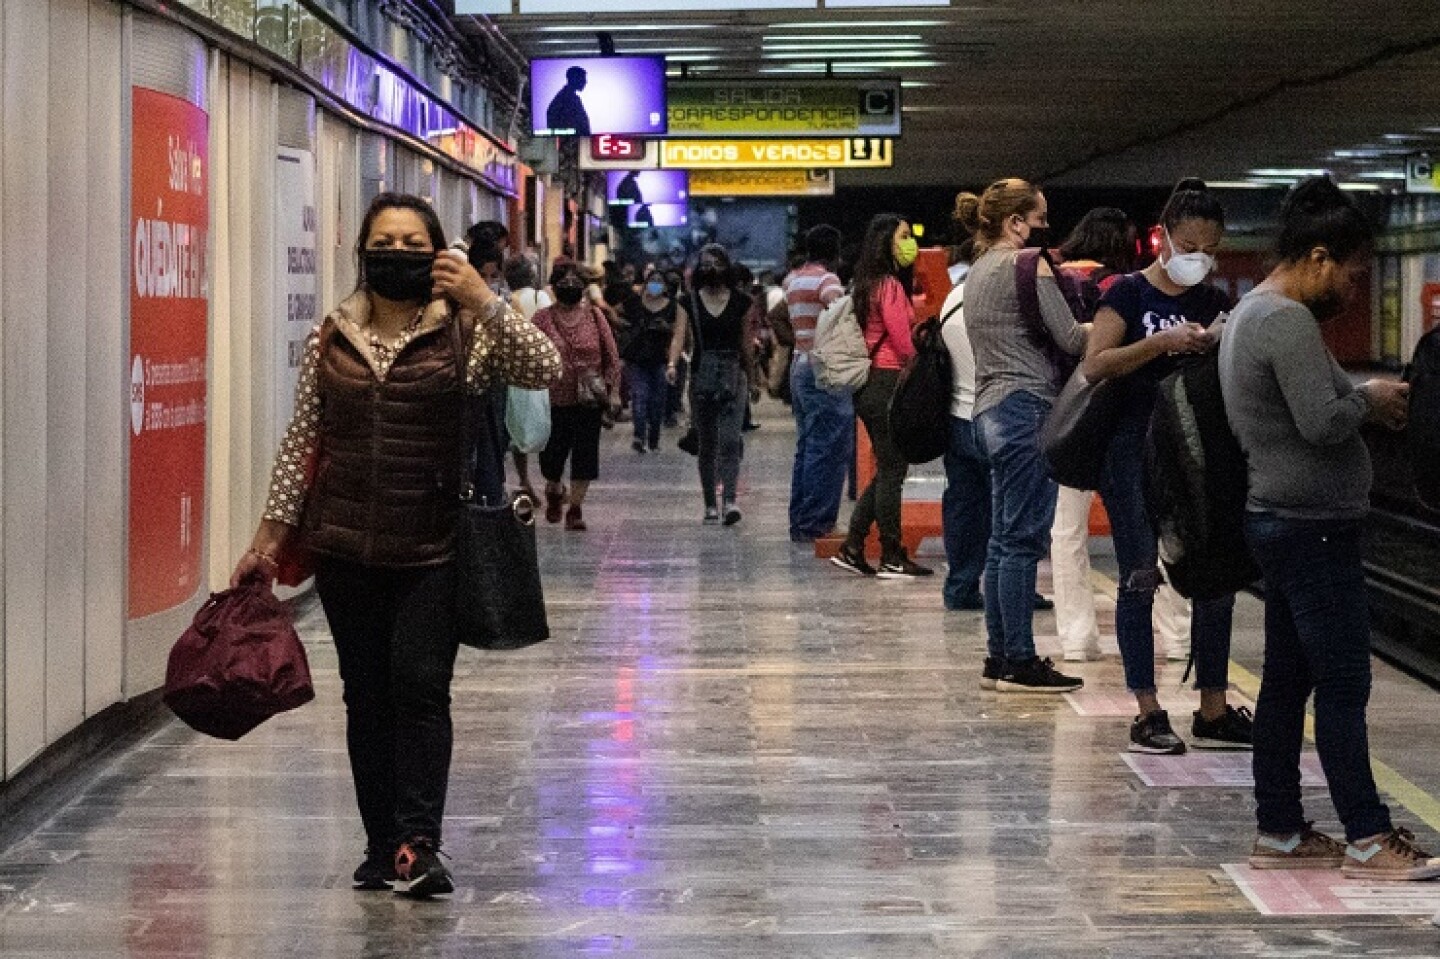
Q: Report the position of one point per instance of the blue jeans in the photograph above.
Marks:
(824, 449)
(648, 394)
(1022, 511)
(1137, 553)
(965, 513)
(1317, 637)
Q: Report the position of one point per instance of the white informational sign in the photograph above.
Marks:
(1422, 174)
(297, 280)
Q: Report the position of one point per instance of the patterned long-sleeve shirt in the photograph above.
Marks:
(506, 348)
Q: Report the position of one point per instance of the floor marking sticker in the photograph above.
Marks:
(1327, 892)
(1115, 703)
(1210, 769)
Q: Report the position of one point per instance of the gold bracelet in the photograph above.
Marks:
(262, 555)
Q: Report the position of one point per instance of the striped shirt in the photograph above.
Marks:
(808, 291)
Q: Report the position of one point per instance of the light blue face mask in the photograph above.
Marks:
(655, 289)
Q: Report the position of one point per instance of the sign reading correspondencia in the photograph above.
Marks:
(779, 108)
(762, 183)
(805, 154)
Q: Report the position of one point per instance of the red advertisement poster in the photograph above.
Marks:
(169, 290)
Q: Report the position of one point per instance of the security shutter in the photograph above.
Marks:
(166, 58)
(296, 120)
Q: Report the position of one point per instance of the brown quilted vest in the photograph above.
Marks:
(385, 489)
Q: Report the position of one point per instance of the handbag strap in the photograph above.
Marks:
(481, 456)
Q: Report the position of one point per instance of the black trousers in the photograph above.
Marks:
(396, 635)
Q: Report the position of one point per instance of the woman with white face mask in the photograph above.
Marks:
(1145, 323)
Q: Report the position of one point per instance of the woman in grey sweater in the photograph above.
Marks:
(1016, 383)
(1297, 417)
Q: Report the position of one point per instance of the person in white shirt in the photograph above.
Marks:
(965, 505)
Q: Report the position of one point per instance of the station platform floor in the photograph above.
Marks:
(729, 749)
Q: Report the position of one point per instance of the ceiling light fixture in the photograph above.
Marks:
(850, 24)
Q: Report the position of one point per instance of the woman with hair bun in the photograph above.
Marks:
(1144, 323)
(1297, 416)
(1016, 384)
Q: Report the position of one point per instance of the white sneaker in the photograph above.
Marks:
(1084, 654)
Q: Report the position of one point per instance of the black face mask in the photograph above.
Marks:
(569, 293)
(1039, 237)
(708, 276)
(1327, 306)
(400, 275)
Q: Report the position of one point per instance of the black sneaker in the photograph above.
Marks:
(1234, 730)
(731, 513)
(638, 446)
(419, 873)
(990, 675)
(378, 869)
(1152, 734)
(853, 560)
(903, 568)
(1036, 676)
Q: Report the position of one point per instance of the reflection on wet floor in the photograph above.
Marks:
(727, 750)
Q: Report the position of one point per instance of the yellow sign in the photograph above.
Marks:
(806, 154)
(774, 106)
(762, 183)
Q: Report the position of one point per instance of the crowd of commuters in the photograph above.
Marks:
(388, 367)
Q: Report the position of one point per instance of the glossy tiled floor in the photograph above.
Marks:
(728, 750)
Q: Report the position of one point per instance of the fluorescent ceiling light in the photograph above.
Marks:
(823, 47)
(853, 66)
(915, 84)
(849, 24)
(1284, 173)
(899, 56)
(627, 28)
(822, 38)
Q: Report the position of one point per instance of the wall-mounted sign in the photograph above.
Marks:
(820, 107)
(762, 183)
(169, 341)
(619, 153)
(297, 280)
(806, 154)
(1422, 175)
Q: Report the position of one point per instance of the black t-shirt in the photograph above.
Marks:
(1147, 311)
(723, 332)
(647, 340)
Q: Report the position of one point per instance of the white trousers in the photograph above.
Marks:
(1075, 596)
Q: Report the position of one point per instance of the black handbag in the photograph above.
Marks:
(1075, 438)
(499, 599)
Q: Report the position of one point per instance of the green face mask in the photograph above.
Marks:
(905, 252)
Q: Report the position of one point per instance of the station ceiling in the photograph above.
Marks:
(1084, 92)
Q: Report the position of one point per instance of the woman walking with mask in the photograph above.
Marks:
(378, 413)
(1145, 321)
(883, 278)
(579, 399)
(651, 317)
(723, 365)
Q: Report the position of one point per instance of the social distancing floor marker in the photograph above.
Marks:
(1328, 892)
(1117, 704)
(1325, 892)
(1210, 770)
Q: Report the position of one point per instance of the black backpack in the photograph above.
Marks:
(919, 411)
(1196, 482)
(1422, 432)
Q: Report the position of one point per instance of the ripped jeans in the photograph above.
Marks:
(1137, 554)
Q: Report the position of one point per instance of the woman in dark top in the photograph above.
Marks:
(650, 325)
(723, 377)
(1145, 322)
